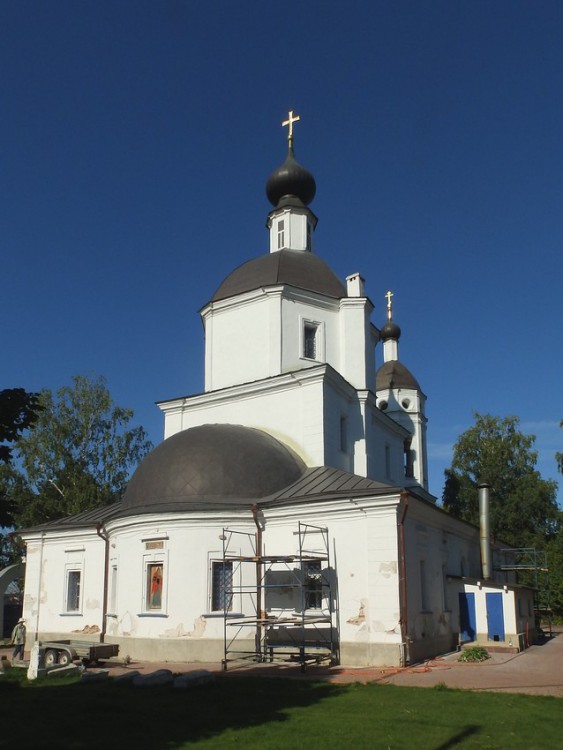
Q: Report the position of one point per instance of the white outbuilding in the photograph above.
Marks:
(286, 514)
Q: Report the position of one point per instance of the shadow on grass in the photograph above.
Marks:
(59, 714)
(458, 738)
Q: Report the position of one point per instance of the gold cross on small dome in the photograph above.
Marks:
(290, 120)
(388, 295)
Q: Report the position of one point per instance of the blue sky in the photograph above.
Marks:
(136, 138)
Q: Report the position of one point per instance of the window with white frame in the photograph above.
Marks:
(113, 589)
(311, 341)
(281, 234)
(154, 586)
(73, 588)
(221, 586)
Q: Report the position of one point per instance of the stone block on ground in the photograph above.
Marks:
(194, 679)
(59, 671)
(160, 677)
(95, 675)
(127, 677)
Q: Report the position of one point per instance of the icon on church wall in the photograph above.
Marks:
(154, 574)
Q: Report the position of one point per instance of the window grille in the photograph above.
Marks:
(221, 586)
(310, 342)
(313, 585)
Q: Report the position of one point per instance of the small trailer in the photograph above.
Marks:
(67, 652)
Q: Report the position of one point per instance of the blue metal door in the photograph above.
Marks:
(467, 619)
(495, 617)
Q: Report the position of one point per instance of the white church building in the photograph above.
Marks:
(286, 514)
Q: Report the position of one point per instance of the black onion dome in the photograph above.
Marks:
(221, 464)
(291, 267)
(394, 374)
(291, 179)
(390, 331)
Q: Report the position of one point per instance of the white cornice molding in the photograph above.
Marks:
(284, 291)
(290, 380)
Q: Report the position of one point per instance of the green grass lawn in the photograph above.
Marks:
(251, 712)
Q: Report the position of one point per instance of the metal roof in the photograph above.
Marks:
(299, 269)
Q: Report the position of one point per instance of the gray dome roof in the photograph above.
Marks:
(394, 374)
(291, 179)
(292, 267)
(211, 464)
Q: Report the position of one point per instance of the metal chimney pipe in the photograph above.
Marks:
(485, 530)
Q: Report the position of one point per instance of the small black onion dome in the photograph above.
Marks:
(291, 179)
(390, 331)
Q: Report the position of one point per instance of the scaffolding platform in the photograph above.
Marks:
(286, 602)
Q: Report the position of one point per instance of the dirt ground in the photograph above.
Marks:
(538, 671)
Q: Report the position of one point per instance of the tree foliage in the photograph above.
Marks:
(559, 456)
(18, 411)
(78, 455)
(523, 507)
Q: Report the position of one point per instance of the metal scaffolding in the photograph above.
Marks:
(279, 607)
(530, 566)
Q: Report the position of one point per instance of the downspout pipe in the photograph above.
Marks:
(100, 531)
(485, 529)
(259, 611)
(39, 584)
(403, 573)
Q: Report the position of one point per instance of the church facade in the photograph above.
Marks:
(286, 514)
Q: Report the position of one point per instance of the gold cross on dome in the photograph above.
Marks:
(389, 309)
(290, 120)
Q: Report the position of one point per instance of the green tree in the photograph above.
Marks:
(523, 506)
(555, 567)
(78, 455)
(18, 411)
(559, 456)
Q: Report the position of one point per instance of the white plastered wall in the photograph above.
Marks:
(49, 558)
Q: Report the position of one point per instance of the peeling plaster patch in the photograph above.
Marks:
(92, 604)
(127, 624)
(199, 628)
(177, 632)
(43, 592)
(388, 569)
(360, 618)
(87, 629)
